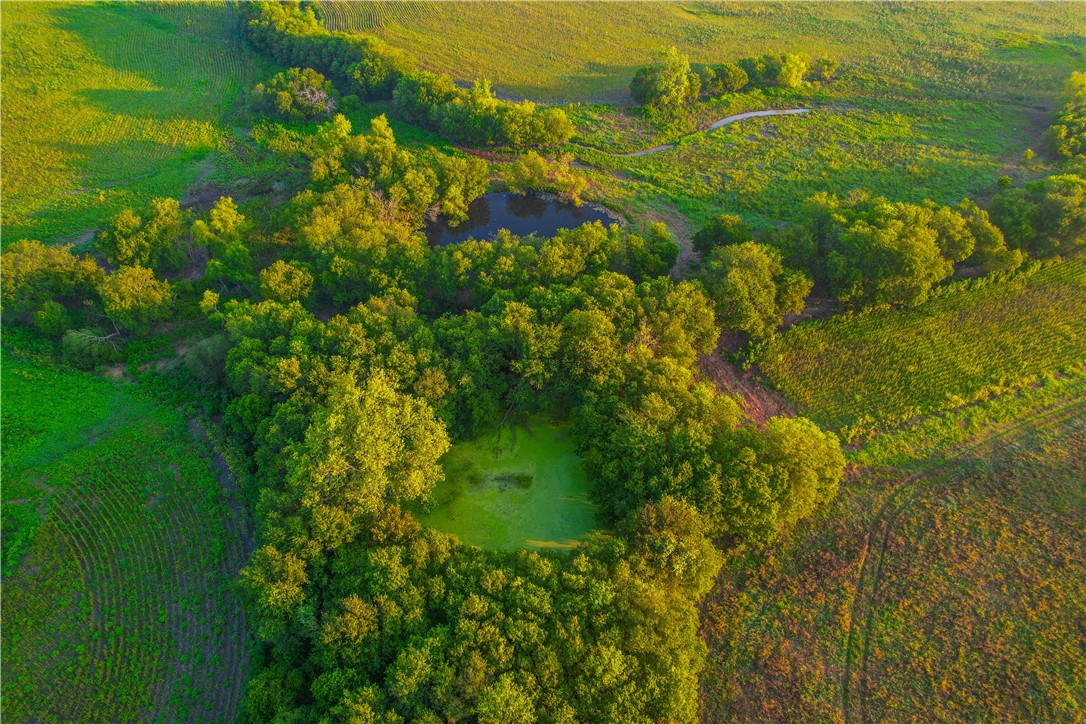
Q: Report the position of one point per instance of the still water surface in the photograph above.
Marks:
(522, 215)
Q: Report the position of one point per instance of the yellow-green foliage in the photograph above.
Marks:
(121, 608)
(879, 368)
(109, 105)
(1068, 134)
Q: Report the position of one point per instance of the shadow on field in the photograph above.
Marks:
(153, 104)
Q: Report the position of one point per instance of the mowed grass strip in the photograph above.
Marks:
(857, 373)
(108, 105)
(122, 607)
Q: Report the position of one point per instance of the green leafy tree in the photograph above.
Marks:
(990, 248)
(667, 82)
(128, 240)
(461, 180)
(721, 230)
(793, 68)
(532, 172)
(275, 582)
(1067, 136)
(750, 288)
(135, 300)
(285, 282)
(32, 274)
(724, 78)
(674, 540)
(52, 319)
(366, 446)
(824, 68)
(891, 262)
(506, 702)
(780, 476)
(297, 94)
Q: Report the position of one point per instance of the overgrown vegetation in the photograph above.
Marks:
(108, 107)
(371, 70)
(496, 480)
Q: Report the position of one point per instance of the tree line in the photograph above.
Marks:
(369, 69)
(670, 81)
(869, 251)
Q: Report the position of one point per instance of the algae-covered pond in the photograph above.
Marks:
(526, 489)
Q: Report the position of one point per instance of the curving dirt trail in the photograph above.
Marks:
(715, 125)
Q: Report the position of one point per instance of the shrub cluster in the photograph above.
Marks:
(297, 94)
(1067, 135)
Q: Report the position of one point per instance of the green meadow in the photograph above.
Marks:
(112, 105)
(932, 101)
(522, 487)
(576, 51)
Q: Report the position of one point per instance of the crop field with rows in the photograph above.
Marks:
(112, 105)
(121, 604)
(949, 584)
(876, 369)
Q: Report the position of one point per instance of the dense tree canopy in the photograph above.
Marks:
(32, 274)
(667, 83)
(134, 299)
(751, 289)
(297, 94)
(717, 80)
(153, 243)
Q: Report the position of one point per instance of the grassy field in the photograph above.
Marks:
(947, 586)
(577, 51)
(933, 100)
(526, 489)
(765, 168)
(867, 371)
(109, 105)
(120, 548)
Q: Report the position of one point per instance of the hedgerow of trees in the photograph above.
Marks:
(368, 69)
(670, 82)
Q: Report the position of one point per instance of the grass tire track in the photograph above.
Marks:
(932, 473)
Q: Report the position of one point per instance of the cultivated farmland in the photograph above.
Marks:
(949, 584)
(120, 549)
(879, 368)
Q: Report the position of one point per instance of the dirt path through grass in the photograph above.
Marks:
(715, 125)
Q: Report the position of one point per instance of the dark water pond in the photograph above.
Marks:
(522, 215)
